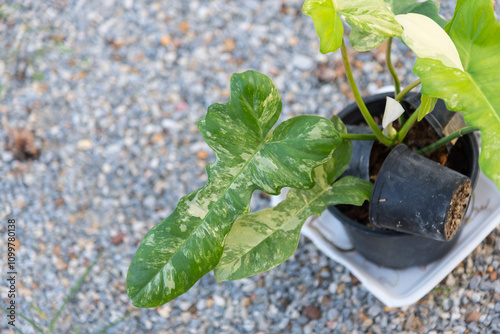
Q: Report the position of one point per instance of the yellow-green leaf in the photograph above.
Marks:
(327, 23)
(476, 34)
(427, 104)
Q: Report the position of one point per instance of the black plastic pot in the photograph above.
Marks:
(390, 248)
(359, 165)
(413, 194)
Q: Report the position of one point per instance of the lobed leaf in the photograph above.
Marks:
(262, 240)
(176, 253)
(474, 91)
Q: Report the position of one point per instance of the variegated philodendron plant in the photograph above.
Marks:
(211, 229)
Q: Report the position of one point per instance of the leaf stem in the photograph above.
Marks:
(405, 91)
(356, 136)
(407, 126)
(359, 100)
(445, 140)
(397, 85)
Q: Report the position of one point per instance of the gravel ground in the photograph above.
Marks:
(112, 91)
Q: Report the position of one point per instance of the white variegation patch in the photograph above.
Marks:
(428, 40)
(393, 109)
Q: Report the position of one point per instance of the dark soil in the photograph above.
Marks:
(457, 210)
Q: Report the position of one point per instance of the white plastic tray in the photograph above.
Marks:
(397, 288)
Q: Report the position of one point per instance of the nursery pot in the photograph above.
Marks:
(391, 248)
(416, 195)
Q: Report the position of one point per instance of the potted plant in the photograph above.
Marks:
(211, 229)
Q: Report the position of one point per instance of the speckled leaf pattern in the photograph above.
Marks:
(176, 253)
(364, 41)
(476, 35)
(369, 15)
(262, 240)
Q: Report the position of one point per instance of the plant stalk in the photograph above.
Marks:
(359, 100)
(405, 91)
(407, 126)
(356, 136)
(397, 85)
(445, 140)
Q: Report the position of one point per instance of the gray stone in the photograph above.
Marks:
(303, 62)
(474, 282)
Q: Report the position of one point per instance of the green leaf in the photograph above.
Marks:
(475, 33)
(327, 23)
(262, 240)
(364, 41)
(427, 8)
(369, 15)
(176, 253)
(427, 104)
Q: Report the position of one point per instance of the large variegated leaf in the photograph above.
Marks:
(476, 34)
(368, 15)
(189, 243)
(262, 240)
(364, 40)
